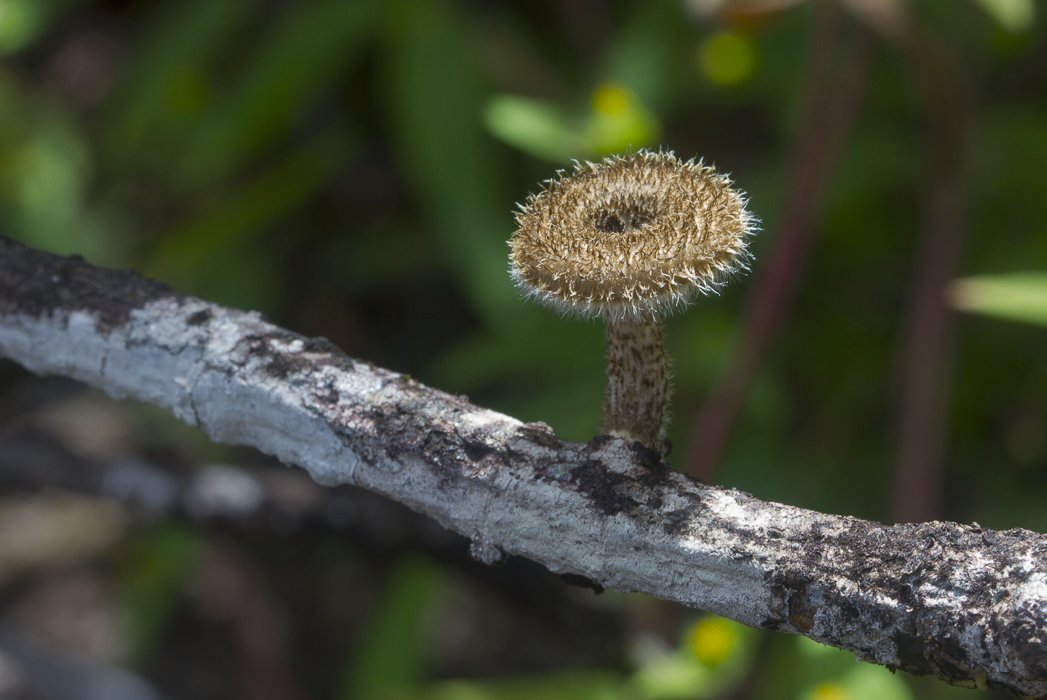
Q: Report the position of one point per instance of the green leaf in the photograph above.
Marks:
(169, 82)
(22, 21)
(618, 122)
(649, 53)
(435, 98)
(43, 178)
(716, 654)
(157, 567)
(1013, 15)
(1015, 297)
(308, 48)
(862, 682)
(828, 673)
(537, 128)
(205, 254)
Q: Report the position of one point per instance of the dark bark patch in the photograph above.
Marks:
(38, 284)
(326, 393)
(647, 458)
(952, 661)
(582, 582)
(1026, 641)
(636, 491)
(912, 654)
(603, 488)
(282, 363)
(452, 451)
(792, 605)
(801, 610)
(478, 451)
(320, 344)
(199, 318)
(540, 434)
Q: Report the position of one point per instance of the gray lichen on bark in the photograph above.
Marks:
(960, 602)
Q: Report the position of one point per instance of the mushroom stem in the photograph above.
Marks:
(637, 398)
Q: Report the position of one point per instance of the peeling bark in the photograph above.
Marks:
(961, 602)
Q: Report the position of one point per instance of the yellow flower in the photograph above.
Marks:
(711, 640)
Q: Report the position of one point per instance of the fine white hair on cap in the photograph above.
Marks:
(632, 237)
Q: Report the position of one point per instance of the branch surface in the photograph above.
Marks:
(961, 602)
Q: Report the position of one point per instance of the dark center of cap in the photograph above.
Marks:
(623, 217)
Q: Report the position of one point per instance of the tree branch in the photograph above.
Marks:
(961, 602)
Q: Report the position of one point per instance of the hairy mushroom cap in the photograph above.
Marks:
(631, 237)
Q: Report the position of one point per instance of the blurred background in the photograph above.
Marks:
(350, 169)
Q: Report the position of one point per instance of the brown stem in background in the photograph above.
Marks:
(829, 108)
(929, 332)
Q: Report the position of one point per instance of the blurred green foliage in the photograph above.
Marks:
(391, 655)
(156, 567)
(350, 169)
(1017, 297)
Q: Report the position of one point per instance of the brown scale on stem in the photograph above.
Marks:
(636, 403)
(629, 240)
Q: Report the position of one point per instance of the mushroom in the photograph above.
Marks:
(630, 240)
